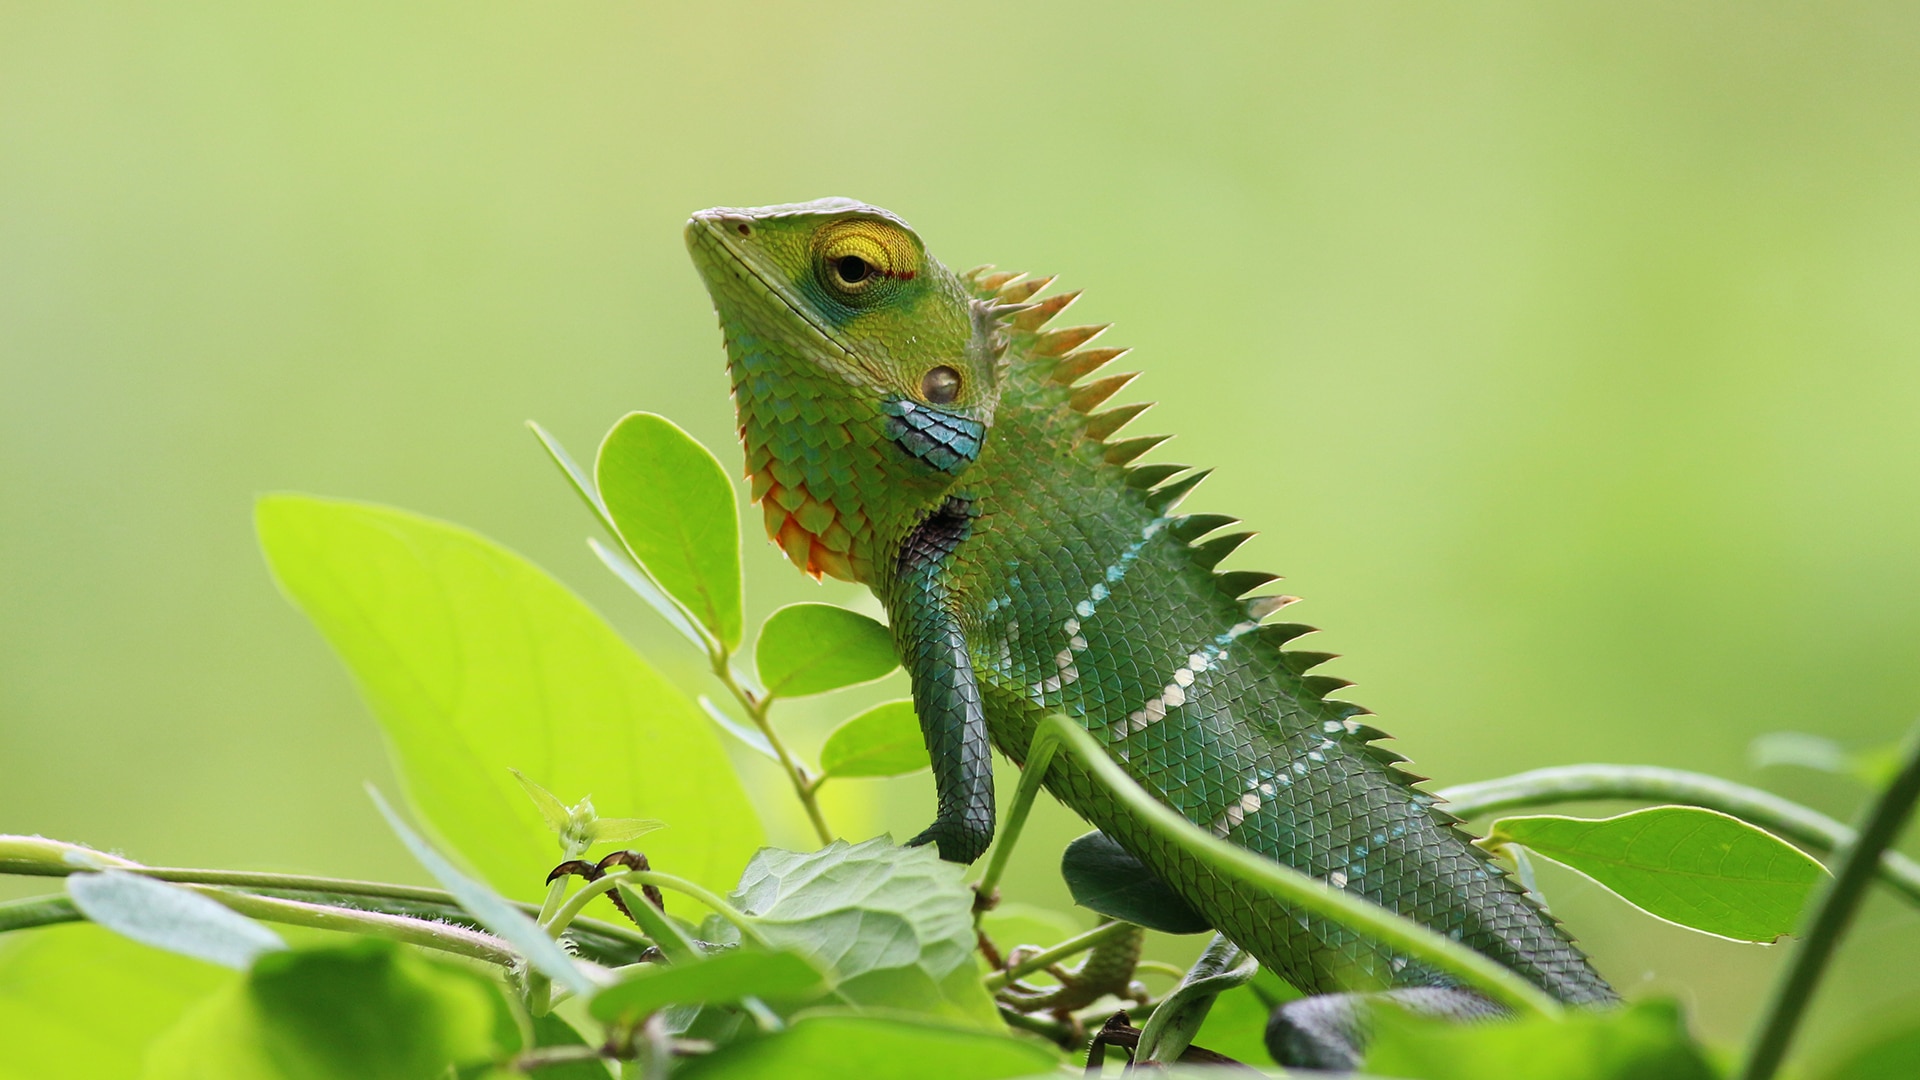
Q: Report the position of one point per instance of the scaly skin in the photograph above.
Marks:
(922, 432)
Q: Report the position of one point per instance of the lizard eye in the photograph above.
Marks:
(852, 269)
(940, 386)
(860, 261)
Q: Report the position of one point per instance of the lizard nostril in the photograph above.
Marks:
(743, 228)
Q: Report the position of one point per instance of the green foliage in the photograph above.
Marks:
(837, 1047)
(718, 978)
(1698, 868)
(366, 1010)
(892, 924)
(813, 648)
(1103, 877)
(480, 666)
(171, 917)
(674, 508)
(475, 661)
(882, 741)
(80, 1003)
(1645, 1041)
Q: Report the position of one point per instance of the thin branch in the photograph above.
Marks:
(1079, 943)
(805, 787)
(1880, 827)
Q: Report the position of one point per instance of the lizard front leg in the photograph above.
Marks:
(933, 647)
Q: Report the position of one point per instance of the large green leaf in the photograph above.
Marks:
(476, 661)
(675, 508)
(1698, 868)
(892, 925)
(1645, 1041)
(718, 978)
(813, 648)
(171, 917)
(80, 1003)
(883, 741)
(838, 1047)
(366, 1011)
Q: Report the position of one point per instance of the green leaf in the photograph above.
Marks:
(836, 1047)
(365, 1010)
(1697, 868)
(1644, 1041)
(715, 979)
(1890, 1053)
(893, 926)
(80, 1001)
(492, 911)
(170, 917)
(475, 661)
(577, 477)
(883, 741)
(555, 812)
(1104, 877)
(813, 648)
(675, 509)
(621, 830)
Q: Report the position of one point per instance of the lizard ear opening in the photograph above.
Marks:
(941, 386)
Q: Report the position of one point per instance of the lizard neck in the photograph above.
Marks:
(835, 494)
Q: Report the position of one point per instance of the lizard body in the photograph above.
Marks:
(928, 434)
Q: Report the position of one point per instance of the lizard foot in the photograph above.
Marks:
(595, 871)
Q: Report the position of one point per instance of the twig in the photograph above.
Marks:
(1880, 827)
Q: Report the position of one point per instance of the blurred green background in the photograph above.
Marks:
(1569, 357)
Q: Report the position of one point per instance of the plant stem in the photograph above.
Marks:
(756, 706)
(711, 899)
(314, 889)
(1651, 783)
(1171, 1027)
(1079, 943)
(1880, 827)
(401, 928)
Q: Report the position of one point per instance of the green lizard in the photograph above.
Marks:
(926, 434)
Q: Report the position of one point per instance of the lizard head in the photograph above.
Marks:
(865, 373)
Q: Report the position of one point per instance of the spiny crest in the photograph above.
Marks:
(1011, 295)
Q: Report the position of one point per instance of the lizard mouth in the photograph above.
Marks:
(709, 235)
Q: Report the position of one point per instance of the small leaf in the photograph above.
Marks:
(1644, 1041)
(620, 830)
(551, 808)
(169, 917)
(366, 1010)
(829, 1045)
(649, 590)
(1698, 868)
(893, 926)
(576, 476)
(813, 648)
(737, 729)
(1104, 877)
(491, 910)
(716, 979)
(676, 511)
(883, 741)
